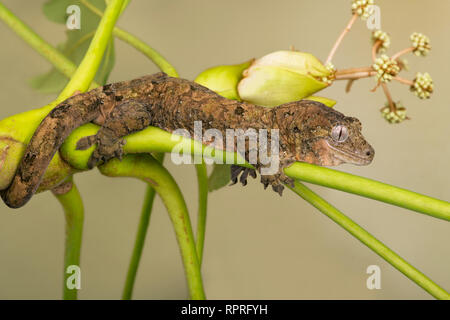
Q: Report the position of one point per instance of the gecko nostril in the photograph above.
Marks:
(368, 153)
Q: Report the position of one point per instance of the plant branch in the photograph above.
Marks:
(202, 178)
(402, 52)
(370, 189)
(146, 168)
(88, 67)
(404, 81)
(46, 50)
(138, 44)
(340, 38)
(141, 235)
(70, 199)
(370, 241)
(387, 93)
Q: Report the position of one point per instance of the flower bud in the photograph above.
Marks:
(281, 77)
(328, 102)
(223, 79)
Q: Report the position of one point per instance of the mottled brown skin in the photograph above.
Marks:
(305, 128)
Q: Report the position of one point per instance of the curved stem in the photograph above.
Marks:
(370, 241)
(64, 65)
(138, 44)
(72, 204)
(369, 188)
(202, 178)
(141, 235)
(146, 168)
(375, 47)
(340, 38)
(89, 65)
(54, 56)
(388, 95)
(404, 81)
(402, 52)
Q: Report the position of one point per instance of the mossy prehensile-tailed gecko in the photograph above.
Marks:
(308, 131)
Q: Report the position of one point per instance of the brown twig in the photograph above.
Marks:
(388, 96)
(404, 81)
(341, 36)
(375, 48)
(348, 87)
(355, 76)
(402, 52)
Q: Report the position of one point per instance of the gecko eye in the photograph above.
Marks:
(339, 133)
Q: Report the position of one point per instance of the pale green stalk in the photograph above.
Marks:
(370, 241)
(149, 170)
(74, 215)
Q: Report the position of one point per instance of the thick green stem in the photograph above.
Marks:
(202, 179)
(140, 237)
(370, 241)
(146, 168)
(369, 188)
(72, 204)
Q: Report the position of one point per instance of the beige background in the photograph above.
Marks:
(258, 245)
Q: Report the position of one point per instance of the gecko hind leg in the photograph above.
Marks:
(237, 170)
(125, 118)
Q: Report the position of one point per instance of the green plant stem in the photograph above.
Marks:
(88, 67)
(140, 237)
(138, 44)
(370, 188)
(146, 168)
(46, 50)
(202, 178)
(74, 214)
(370, 241)
(64, 65)
(81, 80)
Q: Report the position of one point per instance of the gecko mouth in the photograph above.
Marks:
(352, 157)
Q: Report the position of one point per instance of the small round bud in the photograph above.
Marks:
(362, 8)
(394, 116)
(423, 85)
(386, 68)
(382, 36)
(421, 44)
(330, 78)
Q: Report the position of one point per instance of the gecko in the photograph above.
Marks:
(308, 130)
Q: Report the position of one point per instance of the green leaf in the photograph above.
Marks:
(75, 46)
(219, 177)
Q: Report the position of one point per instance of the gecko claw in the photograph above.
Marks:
(278, 189)
(86, 142)
(237, 170)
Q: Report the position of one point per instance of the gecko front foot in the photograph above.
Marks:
(277, 181)
(107, 148)
(236, 171)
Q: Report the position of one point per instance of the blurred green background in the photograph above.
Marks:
(258, 245)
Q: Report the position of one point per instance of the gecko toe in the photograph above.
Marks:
(244, 176)
(86, 142)
(278, 189)
(243, 172)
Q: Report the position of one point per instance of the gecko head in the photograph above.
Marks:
(326, 137)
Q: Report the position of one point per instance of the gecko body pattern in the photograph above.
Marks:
(308, 131)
